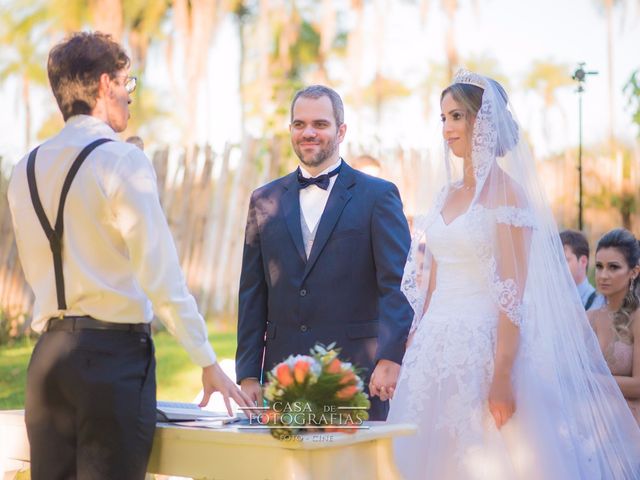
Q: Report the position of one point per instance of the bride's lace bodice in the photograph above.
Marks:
(461, 284)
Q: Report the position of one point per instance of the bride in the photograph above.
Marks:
(503, 375)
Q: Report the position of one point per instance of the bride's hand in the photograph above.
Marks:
(501, 402)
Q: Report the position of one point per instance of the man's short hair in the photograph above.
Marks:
(75, 66)
(317, 91)
(576, 241)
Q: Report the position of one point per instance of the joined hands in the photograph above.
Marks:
(383, 379)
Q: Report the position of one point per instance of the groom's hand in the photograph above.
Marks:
(215, 380)
(383, 379)
(252, 388)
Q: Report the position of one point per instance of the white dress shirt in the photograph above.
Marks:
(119, 260)
(313, 199)
(585, 289)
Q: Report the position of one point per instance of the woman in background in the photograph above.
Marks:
(616, 323)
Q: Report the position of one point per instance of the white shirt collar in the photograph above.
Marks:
(585, 288)
(92, 124)
(306, 174)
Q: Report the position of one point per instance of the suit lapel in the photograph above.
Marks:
(291, 211)
(338, 198)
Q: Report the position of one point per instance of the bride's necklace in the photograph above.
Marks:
(465, 188)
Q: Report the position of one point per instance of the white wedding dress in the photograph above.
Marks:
(503, 258)
(445, 378)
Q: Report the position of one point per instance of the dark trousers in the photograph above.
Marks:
(90, 405)
(379, 409)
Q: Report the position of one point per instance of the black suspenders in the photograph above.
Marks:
(590, 300)
(55, 234)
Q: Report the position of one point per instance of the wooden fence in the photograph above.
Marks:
(205, 196)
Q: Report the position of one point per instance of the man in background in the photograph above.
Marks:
(576, 251)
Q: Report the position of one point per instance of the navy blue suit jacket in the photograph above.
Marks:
(347, 292)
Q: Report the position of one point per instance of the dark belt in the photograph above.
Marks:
(71, 323)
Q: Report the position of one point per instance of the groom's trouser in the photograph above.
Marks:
(90, 401)
(378, 410)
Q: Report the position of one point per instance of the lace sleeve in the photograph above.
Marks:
(515, 216)
(509, 299)
(502, 237)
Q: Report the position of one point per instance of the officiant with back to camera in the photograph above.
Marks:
(101, 260)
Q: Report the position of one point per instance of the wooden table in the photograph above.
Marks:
(236, 453)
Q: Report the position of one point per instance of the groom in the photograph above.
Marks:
(323, 259)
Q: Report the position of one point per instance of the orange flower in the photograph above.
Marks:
(283, 374)
(335, 366)
(347, 392)
(347, 377)
(300, 370)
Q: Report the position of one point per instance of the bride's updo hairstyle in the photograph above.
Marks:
(470, 97)
(624, 242)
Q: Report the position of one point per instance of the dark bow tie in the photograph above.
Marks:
(321, 181)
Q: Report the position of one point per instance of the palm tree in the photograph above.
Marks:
(143, 20)
(632, 89)
(546, 78)
(22, 34)
(242, 14)
(107, 16)
(354, 56)
(608, 4)
(450, 9)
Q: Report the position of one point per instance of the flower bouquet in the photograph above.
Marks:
(315, 392)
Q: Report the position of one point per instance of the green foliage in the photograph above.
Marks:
(177, 376)
(23, 29)
(14, 359)
(305, 51)
(632, 89)
(547, 77)
(385, 88)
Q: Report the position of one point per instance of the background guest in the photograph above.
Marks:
(136, 140)
(576, 251)
(616, 323)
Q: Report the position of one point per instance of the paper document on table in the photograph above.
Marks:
(181, 412)
(218, 423)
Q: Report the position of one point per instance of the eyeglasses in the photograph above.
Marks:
(130, 83)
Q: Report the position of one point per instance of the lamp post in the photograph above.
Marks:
(580, 76)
